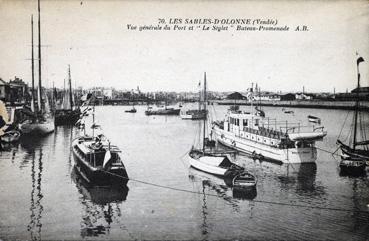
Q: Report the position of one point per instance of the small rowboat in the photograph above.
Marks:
(314, 119)
(10, 136)
(244, 181)
(286, 111)
(133, 110)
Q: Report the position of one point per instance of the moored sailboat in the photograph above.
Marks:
(210, 161)
(355, 155)
(68, 114)
(41, 123)
(194, 114)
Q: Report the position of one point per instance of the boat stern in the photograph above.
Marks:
(301, 155)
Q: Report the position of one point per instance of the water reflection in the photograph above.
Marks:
(245, 195)
(204, 212)
(213, 183)
(31, 143)
(66, 134)
(302, 176)
(9, 151)
(298, 177)
(8, 147)
(216, 212)
(101, 206)
(36, 208)
(220, 187)
(343, 173)
(360, 189)
(207, 185)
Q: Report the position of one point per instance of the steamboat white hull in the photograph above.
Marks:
(251, 147)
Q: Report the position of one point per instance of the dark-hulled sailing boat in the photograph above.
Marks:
(68, 114)
(355, 155)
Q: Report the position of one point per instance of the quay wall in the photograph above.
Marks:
(342, 105)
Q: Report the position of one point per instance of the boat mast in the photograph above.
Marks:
(33, 69)
(259, 95)
(39, 97)
(203, 140)
(52, 98)
(93, 121)
(70, 88)
(252, 97)
(199, 95)
(359, 60)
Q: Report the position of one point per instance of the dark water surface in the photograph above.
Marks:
(42, 197)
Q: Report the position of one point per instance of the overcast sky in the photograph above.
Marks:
(93, 38)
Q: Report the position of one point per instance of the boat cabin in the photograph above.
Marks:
(264, 130)
(93, 151)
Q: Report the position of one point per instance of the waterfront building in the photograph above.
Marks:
(303, 96)
(4, 90)
(288, 96)
(14, 91)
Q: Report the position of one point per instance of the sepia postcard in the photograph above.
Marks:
(184, 120)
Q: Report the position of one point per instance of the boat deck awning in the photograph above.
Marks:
(307, 136)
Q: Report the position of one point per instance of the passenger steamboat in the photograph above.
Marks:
(267, 138)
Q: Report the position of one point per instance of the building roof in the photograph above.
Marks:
(361, 90)
(236, 96)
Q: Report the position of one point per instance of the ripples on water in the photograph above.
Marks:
(43, 197)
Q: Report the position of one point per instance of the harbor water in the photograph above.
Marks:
(42, 197)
